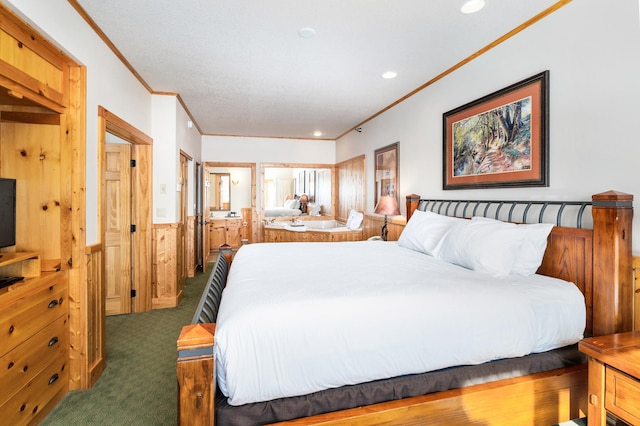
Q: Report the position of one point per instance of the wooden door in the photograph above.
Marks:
(206, 213)
(184, 201)
(118, 229)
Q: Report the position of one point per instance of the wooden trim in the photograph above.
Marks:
(108, 42)
(29, 37)
(185, 155)
(73, 131)
(141, 187)
(255, 227)
(123, 129)
(30, 117)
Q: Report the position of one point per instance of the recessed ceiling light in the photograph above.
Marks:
(317, 133)
(472, 6)
(306, 32)
(389, 74)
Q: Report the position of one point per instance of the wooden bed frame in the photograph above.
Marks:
(598, 261)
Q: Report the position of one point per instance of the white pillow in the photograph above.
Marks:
(424, 231)
(534, 243)
(354, 220)
(288, 204)
(485, 247)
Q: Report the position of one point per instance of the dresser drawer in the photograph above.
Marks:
(32, 311)
(24, 407)
(24, 362)
(622, 395)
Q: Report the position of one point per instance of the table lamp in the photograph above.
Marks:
(387, 205)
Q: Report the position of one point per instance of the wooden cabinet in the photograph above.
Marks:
(225, 231)
(614, 377)
(42, 146)
(34, 350)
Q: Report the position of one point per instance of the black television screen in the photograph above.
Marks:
(7, 212)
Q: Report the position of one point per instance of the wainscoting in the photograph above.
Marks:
(96, 349)
(169, 269)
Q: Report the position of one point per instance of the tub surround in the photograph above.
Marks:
(310, 231)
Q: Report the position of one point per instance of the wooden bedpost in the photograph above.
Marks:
(195, 370)
(612, 257)
(413, 201)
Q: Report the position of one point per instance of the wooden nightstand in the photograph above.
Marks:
(614, 377)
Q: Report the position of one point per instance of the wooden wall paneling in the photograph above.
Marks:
(350, 178)
(31, 155)
(96, 327)
(167, 283)
(191, 246)
(73, 135)
(248, 218)
(32, 67)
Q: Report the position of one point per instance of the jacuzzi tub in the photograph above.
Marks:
(316, 225)
(310, 230)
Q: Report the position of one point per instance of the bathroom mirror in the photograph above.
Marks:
(280, 181)
(220, 191)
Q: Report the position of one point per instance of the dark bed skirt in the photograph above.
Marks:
(392, 389)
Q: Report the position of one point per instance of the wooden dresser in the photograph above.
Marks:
(34, 340)
(614, 377)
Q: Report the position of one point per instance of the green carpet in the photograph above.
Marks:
(139, 386)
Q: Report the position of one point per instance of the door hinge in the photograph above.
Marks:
(133, 228)
(133, 163)
(133, 293)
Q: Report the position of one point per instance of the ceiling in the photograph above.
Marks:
(241, 68)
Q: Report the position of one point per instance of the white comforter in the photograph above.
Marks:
(297, 318)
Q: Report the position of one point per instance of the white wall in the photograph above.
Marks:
(267, 150)
(188, 140)
(592, 49)
(166, 164)
(109, 82)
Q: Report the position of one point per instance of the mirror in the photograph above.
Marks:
(283, 181)
(220, 191)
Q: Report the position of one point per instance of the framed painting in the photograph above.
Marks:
(386, 171)
(499, 140)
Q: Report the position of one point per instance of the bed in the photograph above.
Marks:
(598, 261)
(291, 207)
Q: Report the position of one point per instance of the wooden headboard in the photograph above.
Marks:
(597, 260)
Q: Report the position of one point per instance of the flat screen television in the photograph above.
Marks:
(7, 212)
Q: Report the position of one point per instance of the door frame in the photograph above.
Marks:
(205, 214)
(141, 191)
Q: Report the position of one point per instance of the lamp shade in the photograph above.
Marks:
(387, 205)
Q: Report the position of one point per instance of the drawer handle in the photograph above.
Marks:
(53, 341)
(53, 378)
(53, 304)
